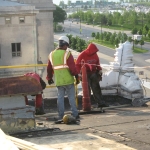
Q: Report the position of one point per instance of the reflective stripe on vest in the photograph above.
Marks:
(60, 66)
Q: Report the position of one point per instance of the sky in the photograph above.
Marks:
(66, 1)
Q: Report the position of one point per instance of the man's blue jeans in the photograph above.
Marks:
(70, 90)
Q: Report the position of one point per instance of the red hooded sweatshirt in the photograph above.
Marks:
(90, 58)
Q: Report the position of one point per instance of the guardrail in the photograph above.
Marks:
(23, 66)
(27, 66)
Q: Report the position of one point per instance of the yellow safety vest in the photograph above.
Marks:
(58, 59)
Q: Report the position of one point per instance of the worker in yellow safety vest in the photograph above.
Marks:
(61, 64)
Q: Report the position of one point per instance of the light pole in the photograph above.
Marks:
(108, 27)
(93, 22)
(101, 31)
(70, 27)
(142, 20)
(133, 42)
(80, 24)
(101, 27)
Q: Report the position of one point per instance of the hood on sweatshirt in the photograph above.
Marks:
(91, 49)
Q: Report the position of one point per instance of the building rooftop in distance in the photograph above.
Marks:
(9, 3)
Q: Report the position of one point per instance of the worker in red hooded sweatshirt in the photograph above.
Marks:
(90, 59)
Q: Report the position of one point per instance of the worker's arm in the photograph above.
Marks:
(78, 63)
(71, 65)
(50, 72)
(98, 65)
(99, 70)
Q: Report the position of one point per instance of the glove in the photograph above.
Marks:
(50, 81)
(100, 77)
(100, 72)
(77, 79)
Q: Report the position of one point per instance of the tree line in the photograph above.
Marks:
(125, 19)
(113, 39)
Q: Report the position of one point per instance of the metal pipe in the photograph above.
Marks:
(86, 103)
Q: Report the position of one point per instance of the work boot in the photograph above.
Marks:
(39, 111)
(77, 117)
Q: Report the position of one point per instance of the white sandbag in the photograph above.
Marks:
(109, 78)
(123, 63)
(133, 84)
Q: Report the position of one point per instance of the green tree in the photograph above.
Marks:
(145, 30)
(136, 42)
(73, 43)
(134, 31)
(140, 32)
(119, 36)
(89, 16)
(101, 36)
(96, 18)
(93, 34)
(121, 20)
(141, 43)
(116, 41)
(70, 38)
(109, 22)
(125, 37)
(148, 34)
(109, 19)
(59, 28)
(81, 44)
(104, 34)
(103, 19)
(130, 39)
(59, 15)
(97, 36)
(116, 17)
(107, 37)
(133, 18)
(112, 39)
(146, 27)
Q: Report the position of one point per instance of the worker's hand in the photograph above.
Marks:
(77, 81)
(50, 81)
(100, 72)
(100, 77)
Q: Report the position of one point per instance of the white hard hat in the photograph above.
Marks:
(64, 38)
